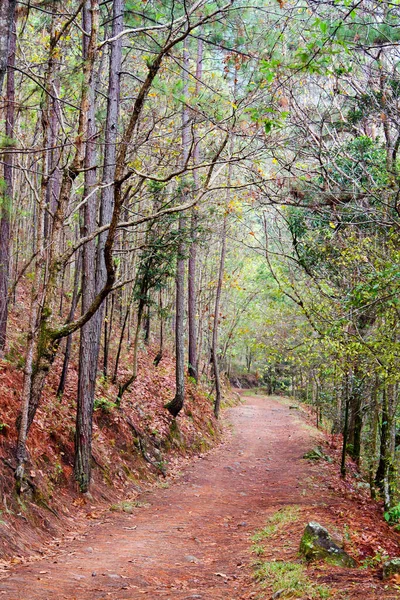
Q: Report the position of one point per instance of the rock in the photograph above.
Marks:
(391, 567)
(192, 559)
(317, 544)
(317, 454)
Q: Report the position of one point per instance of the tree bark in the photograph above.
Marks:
(7, 199)
(176, 405)
(7, 18)
(133, 377)
(373, 437)
(124, 324)
(108, 323)
(356, 422)
(159, 355)
(192, 333)
(214, 346)
(382, 473)
(68, 345)
(88, 350)
(345, 426)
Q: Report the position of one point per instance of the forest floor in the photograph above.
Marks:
(193, 538)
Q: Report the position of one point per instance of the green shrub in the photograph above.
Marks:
(393, 514)
(104, 404)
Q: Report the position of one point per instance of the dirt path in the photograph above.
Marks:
(192, 539)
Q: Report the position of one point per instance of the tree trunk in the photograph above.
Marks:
(159, 355)
(108, 323)
(214, 347)
(68, 345)
(90, 339)
(7, 18)
(176, 405)
(192, 333)
(355, 428)
(373, 437)
(88, 351)
(382, 473)
(121, 338)
(133, 377)
(7, 199)
(147, 324)
(346, 426)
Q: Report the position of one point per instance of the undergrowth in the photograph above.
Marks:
(128, 506)
(288, 514)
(290, 579)
(283, 578)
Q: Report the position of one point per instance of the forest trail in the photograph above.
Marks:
(190, 540)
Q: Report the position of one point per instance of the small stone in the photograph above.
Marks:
(114, 576)
(89, 550)
(317, 544)
(94, 574)
(192, 559)
(391, 567)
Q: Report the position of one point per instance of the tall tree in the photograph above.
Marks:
(7, 18)
(87, 349)
(176, 404)
(192, 329)
(7, 191)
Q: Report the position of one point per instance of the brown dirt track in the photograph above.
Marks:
(192, 540)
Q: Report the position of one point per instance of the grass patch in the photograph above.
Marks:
(128, 506)
(163, 484)
(250, 392)
(284, 578)
(258, 549)
(285, 515)
(290, 580)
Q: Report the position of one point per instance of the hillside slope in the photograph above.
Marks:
(133, 446)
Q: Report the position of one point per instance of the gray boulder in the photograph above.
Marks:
(317, 544)
(391, 567)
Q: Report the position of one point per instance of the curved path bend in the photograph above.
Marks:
(190, 541)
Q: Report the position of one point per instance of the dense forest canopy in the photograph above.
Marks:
(221, 177)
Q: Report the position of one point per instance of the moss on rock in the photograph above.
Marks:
(391, 567)
(317, 544)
